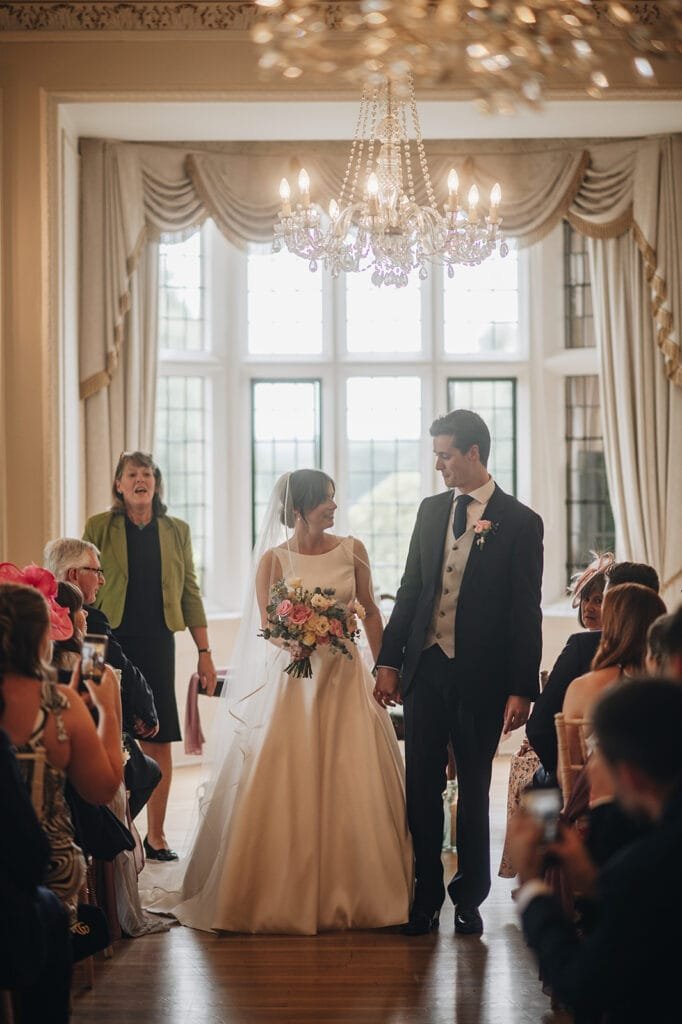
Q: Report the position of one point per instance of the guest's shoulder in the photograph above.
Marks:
(97, 620)
(97, 525)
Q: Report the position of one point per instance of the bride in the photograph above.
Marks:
(303, 826)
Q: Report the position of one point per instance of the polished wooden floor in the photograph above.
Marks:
(189, 977)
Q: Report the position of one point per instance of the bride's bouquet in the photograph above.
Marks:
(304, 620)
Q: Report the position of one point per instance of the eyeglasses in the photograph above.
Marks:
(89, 568)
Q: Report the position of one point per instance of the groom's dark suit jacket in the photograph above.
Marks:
(498, 638)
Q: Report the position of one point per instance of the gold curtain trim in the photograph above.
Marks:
(663, 318)
(560, 211)
(612, 229)
(103, 378)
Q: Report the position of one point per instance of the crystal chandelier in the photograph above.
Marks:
(377, 223)
(506, 51)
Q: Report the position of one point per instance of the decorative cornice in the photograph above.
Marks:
(135, 15)
(178, 15)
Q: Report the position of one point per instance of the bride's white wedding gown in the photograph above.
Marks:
(316, 835)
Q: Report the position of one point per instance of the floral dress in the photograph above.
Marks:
(66, 872)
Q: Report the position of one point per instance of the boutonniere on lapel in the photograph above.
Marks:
(483, 529)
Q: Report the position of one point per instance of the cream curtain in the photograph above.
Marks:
(624, 195)
(642, 414)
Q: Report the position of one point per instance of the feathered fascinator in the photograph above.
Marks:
(580, 581)
(61, 627)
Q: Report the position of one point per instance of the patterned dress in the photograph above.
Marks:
(66, 872)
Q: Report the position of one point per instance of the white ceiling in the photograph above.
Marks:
(260, 120)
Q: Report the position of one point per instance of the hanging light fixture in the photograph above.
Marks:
(377, 223)
(506, 50)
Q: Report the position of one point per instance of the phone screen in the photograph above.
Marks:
(544, 805)
(93, 657)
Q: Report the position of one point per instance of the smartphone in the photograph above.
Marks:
(544, 805)
(93, 656)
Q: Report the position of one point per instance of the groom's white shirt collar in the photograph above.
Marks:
(480, 498)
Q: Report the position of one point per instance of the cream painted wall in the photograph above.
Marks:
(36, 73)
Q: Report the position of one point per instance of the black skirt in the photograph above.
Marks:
(154, 655)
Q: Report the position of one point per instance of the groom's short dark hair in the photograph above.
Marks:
(466, 428)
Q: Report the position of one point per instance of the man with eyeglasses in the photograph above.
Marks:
(77, 561)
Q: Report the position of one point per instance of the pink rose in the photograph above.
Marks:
(482, 526)
(299, 614)
(283, 608)
(335, 627)
(321, 640)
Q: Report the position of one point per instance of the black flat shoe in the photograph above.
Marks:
(162, 854)
(468, 921)
(421, 923)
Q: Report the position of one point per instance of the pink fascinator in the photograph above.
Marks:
(597, 566)
(61, 627)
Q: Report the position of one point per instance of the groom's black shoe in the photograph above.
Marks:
(468, 921)
(421, 923)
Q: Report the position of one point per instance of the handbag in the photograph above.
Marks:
(90, 933)
(98, 831)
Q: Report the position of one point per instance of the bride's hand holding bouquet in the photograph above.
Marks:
(302, 620)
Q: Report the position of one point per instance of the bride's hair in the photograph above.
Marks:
(301, 491)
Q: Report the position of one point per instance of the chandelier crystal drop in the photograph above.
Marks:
(377, 223)
(505, 50)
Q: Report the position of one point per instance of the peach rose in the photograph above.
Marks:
(335, 627)
(283, 608)
(299, 614)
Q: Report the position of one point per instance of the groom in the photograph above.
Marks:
(462, 653)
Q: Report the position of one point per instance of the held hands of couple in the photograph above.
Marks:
(387, 687)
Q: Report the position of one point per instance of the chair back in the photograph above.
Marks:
(32, 766)
(570, 760)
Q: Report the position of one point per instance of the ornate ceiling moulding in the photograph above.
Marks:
(134, 16)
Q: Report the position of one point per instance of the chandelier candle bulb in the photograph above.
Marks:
(473, 202)
(495, 200)
(453, 188)
(304, 186)
(285, 196)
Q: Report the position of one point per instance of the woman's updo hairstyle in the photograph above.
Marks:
(301, 491)
(24, 621)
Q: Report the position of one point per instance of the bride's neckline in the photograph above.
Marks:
(303, 554)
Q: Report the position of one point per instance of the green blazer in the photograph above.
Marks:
(182, 604)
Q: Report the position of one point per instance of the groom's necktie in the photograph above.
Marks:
(459, 523)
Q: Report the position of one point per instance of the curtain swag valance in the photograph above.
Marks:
(134, 194)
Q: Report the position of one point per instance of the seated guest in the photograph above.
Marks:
(525, 768)
(664, 646)
(626, 970)
(35, 947)
(576, 658)
(38, 713)
(627, 612)
(66, 653)
(633, 572)
(77, 562)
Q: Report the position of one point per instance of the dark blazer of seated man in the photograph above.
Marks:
(626, 970)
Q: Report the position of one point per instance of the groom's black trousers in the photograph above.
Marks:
(435, 712)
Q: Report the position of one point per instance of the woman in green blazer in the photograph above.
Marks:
(150, 593)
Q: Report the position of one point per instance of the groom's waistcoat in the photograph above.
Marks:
(455, 556)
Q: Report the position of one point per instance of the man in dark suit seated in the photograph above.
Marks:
(574, 661)
(626, 970)
(77, 561)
